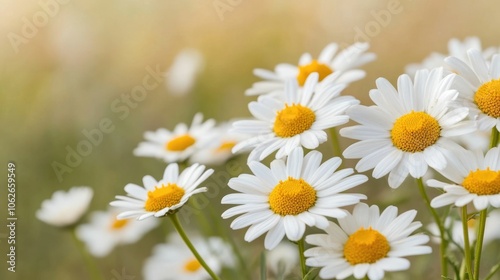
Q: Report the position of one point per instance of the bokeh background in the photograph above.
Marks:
(65, 76)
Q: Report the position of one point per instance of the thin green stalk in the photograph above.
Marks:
(335, 142)
(467, 253)
(479, 242)
(303, 266)
(182, 233)
(89, 260)
(442, 232)
(263, 268)
(494, 137)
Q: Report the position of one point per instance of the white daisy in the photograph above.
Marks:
(176, 145)
(282, 259)
(456, 48)
(175, 261)
(181, 76)
(159, 198)
(408, 129)
(65, 208)
(218, 150)
(288, 196)
(479, 86)
(104, 231)
(338, 67)
(298, 120)
(475, 178)
(367, 243)
(491, 231)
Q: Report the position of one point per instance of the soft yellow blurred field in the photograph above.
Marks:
(65, 78)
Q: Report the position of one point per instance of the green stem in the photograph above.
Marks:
(263, 268)
(442, 232)
(479, 242)
(182, 233)
(335, 142)
(89, 260)
(300, 244)
(467, 253)
(494, 137)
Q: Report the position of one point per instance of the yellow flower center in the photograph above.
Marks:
(292, 197)
(471, 223)
(118, 224)
(304, 70)
(225, 146)
(415, 131)
(192, 265)
(365, 246)
(487, 98)
(163, 197)
(483, 182)
(293, 120)
(180, 143)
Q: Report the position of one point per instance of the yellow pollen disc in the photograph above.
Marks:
(483, 182)
(118, 224)
(180, 143)
(365, 246)
(322, 69)
(192, 265)
(164, 196)
(415, 131)
(293, 120)
(292, 197)
(487, 98)
(471, 223)
(225, 146)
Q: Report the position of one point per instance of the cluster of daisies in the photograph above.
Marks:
(441, 118)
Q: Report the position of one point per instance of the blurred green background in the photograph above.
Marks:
(64, 78)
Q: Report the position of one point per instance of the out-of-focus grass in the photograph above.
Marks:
(66, 77)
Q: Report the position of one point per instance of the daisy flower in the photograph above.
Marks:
(176, 145)
(65, 208)
(282, 259)
(174, 260)
(475, 178)
(182, 74)
(367, 243)
(298, 120)
(160, 198)
(338, 67)
(479, 86)
(407, 130)
(456, 48)
(284, 199)
(218, 150)
(104, 231)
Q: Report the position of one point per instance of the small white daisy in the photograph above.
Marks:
(298, 120)
(367, 243)
(182, 74)
(288, 196)
(456, 48)
(283, 259)
(176, 145)
(65, 208)
(491, 231)
(159, 198)
(475, 177)
(479, 86)
(218, 150)
(408, 129)
(104, 231)
(174, 260)
(331, 66)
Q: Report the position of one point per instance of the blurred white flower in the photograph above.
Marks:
(283, 259)
(182, 74)
(65, 208)
(104, 231)
(175, 261)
